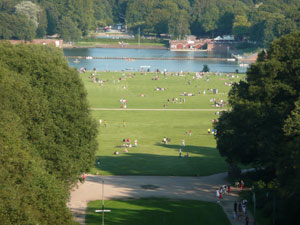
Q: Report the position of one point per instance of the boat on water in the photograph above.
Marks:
(76, 61)
(231, 60)
(243, 65)
(89, 57)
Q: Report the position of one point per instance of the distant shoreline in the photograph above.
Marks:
(68, 46)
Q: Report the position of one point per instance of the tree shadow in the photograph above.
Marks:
(190, 148)
(202, 161)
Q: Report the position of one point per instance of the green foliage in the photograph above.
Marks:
(47, 138)
(205, 68)
(262, 127)
(241, 27)
(68, 29)
(261, 22)
(16, 27)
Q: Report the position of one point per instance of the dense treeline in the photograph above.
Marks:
(262, 128)
(261, 21)
(47, 136)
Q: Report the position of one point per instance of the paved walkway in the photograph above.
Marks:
(116, 187)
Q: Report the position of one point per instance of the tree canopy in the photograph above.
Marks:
(260, 21)
(47, 136)
(262, 127)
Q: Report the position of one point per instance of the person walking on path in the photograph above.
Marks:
(247, 220)
(183, 143)
(83, 178)
(239, 211)
(235, 208)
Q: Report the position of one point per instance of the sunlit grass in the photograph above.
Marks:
(158, 212)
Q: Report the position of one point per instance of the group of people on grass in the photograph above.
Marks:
(127, 144)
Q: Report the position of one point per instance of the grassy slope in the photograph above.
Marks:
(149, 127)
(158, 212)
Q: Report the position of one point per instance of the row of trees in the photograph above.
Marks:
(261, 21)
(47, 136)
(262, 129)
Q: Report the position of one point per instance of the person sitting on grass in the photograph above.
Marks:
(116, 153)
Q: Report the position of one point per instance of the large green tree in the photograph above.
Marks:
(31, 191)
(261, 129)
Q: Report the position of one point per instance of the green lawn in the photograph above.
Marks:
(140, 90)
(158, 212)
(152, 157)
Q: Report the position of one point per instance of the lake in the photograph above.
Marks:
(162, 63)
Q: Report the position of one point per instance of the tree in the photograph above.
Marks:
(68, 29)
(205, 68)
(241, 27)
(29, 195)
(58, 122)
(261, 129)
(30, 10)
(16, 27)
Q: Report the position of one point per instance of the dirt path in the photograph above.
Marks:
(120, 109)
(117, 187)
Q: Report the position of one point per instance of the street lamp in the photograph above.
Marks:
(254, 207)
(103, 210)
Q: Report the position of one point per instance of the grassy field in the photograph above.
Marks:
(149, 127)
(158, 212)
(140, 90)
(152, 157)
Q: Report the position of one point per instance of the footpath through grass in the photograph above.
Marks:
(158, 212)
(151, 156)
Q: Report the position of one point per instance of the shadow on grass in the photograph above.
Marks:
(157, 211)
(189, 148)
(203, 161)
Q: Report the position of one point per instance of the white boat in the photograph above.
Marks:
(89, 57)
(231, 60)
(243, 65)
(76, 61)
(145, 67)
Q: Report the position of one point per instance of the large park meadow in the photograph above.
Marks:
(135, 112)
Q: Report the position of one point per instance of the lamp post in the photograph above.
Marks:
(254, 207)
(103, 210)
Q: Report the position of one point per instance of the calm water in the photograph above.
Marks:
(169, 65)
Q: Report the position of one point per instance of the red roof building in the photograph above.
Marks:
(189, 44)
